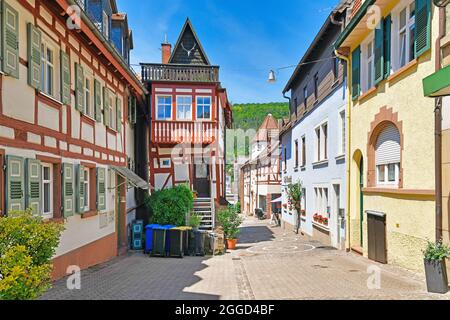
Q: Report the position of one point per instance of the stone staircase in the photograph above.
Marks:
(203, 207)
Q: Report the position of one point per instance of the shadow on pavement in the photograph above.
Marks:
(136, 277)
(255, 234)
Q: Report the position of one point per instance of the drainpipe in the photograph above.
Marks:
(349, 140)
(438, 130)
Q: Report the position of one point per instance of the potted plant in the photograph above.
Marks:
(303, 213)
(194, 221)
(316, 217)
(295, 196)
(325, 221)
(435, 267)
(230, 221)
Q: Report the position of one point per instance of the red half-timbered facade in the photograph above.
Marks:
(190, 114)
(68, 104)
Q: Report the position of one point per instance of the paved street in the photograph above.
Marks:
(269, 264)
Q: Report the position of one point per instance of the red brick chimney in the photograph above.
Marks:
(166, 49)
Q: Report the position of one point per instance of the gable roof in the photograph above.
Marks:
(268, 128)
(189, 40)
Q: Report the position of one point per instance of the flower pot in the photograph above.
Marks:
(231, 244)
(436, 274)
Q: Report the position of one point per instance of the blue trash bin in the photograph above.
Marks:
(149, 237)
(168, 227)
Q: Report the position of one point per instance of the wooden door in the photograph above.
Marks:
(202, 183)
(376, 232)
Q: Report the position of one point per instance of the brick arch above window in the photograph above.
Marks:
(384, 118)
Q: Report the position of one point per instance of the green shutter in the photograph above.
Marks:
(422, 36)
(98, 100)
(33, 176)
(15, 184)
(79, 87)
(106, 107)
(379, 53)
(101, 189)
(387, 46)
(119, 114)
(34, 56)
(356, 73)
(68, 194)
(129, 114)
(10, 23)
(81, 192)
(65, 79)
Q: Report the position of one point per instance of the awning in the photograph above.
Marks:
(280, 199)
(438, 84)
(131, 177)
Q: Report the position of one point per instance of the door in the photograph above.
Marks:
(376, 232)
(361, 202)
(202, 183)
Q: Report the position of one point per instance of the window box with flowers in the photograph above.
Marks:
(320, 220)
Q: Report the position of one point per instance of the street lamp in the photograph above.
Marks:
(272, 77)
(441, 3)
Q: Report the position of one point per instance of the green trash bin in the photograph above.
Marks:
(186, 240)
(176, 239)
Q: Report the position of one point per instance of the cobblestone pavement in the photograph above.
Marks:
(269, 264)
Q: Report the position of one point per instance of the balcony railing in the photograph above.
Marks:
(177, 132)
(179, 73)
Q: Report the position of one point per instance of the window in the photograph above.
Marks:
(296, 153)
(322, 142)
(112, 112)
(184, 108)
(370, 74)
(164, 107)
(303, 151)
(447, 20)
(388, 155)
(105, 25)
(342, 134)
(285, 158)
(88, 98)
(47, 189)
(305, 96)
(336, 67)
(86, 189)
(321, 202)
(203, 107)
(406, 29)
(47, 70)
(316, 86)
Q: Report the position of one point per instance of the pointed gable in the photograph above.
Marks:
(188, 49)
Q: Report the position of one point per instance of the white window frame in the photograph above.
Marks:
(396, 50)
(321, 143)
(46, 66)
(49, 166)
(386, 181)
(112, 112)
(368, 63)
(165, 118)
(89, 96)
(87, 188)
(303, 152)
(203, 105)
(105, 23)
(184, 105)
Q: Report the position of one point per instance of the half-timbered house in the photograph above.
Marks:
(68, 101)
(190, 113)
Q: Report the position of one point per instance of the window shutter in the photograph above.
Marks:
(422, 36)
(33, 176)
(34, 56)
(134, 115)
(80, 189)
(387, 46)
(101, 189)
(10, 20)
(356, 73)
(379, 53)
(65, 79)
(68, 190)
(119, 114)
(106, 107)
(129, 114)
(98, 100)
(15, 184)
(79, 87)
(388, 146)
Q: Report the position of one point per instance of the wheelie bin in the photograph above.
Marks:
(176, 239)
(160, 241)
(149, 237)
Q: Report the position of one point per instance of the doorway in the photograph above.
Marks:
(202, 183)
(376, 232)
(361, 202)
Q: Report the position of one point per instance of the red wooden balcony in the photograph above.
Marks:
(177, 132)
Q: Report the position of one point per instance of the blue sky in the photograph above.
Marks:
(247, 38)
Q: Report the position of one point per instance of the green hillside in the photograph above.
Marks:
(251, 115)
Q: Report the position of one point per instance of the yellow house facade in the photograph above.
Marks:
(391, 159)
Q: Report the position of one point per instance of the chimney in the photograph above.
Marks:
(166, 49)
